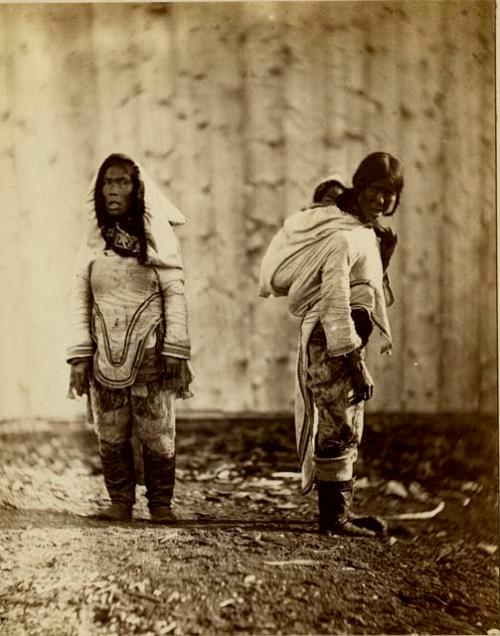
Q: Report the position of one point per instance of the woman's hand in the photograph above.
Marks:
(176, 376)
(79, 379)
(388, 241)
(362, 381)
(171, 367)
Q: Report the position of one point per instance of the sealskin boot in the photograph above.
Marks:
(162, 514)
(118, 468)
(116, 512)
(159, 476)
(334, 503)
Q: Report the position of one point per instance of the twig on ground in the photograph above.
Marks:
(426, 514)
(146, 597)
(21, 601)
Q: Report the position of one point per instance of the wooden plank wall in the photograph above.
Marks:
(238, 109)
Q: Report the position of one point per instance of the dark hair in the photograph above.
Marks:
(133, 222)
(377, 166)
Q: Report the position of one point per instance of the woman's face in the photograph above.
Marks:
(376, 200)
(117, 188)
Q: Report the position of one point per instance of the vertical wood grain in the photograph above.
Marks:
(383, 45)
(36, 159)
(421, 133)
(227, 114)
(461, 225)
(263, 138)
(116, 42)
(194, 36)
(488, 293)
(13, 321)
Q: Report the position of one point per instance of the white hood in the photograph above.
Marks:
(163, 246)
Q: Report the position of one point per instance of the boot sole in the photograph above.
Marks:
(164, 520)
(110, 518)
(349, 530)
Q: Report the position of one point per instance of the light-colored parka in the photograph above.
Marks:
(120, 308)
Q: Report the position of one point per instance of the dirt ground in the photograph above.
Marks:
(245, 556)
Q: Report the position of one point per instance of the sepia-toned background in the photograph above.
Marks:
(238, 109)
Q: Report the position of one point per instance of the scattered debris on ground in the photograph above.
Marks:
(245, 555)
